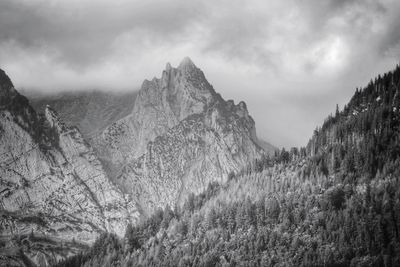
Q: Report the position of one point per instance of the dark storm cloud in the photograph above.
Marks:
(291, 60)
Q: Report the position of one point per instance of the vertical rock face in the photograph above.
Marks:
(51, 182)
(180, 136)
(160, 105)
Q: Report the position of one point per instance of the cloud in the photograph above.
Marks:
(81, 33)
(291, 60)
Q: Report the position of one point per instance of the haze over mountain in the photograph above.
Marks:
(91, 111)
(51, 185)
(291, 61)
(335, 202)
(177, 137)
(103, 165)
(180, 136)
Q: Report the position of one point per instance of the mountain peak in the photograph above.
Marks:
(186, 62)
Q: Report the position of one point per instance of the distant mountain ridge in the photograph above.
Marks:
(91, 111)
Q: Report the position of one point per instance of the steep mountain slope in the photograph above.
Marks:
(201, 149)
(90, 111)
(334, 203)
(180, 136)
(51, 183)
(365, 135)
(160, 105)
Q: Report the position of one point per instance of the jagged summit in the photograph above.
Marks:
(185, 67)
(180, 136)
(168, 67)
(186, 62)
(161, 104)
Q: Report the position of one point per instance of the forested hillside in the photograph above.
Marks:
(363, 137)
(335, 202)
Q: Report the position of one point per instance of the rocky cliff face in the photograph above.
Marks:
(51, 182)
(180, 136)
(54, 187)
(160, 105)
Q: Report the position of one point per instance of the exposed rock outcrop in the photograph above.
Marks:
(180, 136)
(51, 182)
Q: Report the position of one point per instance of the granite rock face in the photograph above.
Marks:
(51, 182)
(180, 136)
(160, 105)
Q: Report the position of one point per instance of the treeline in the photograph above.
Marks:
(358, 140)
(290, 223)
(334, 203)
(365, 135)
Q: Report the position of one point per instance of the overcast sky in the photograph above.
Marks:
(290, 61)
